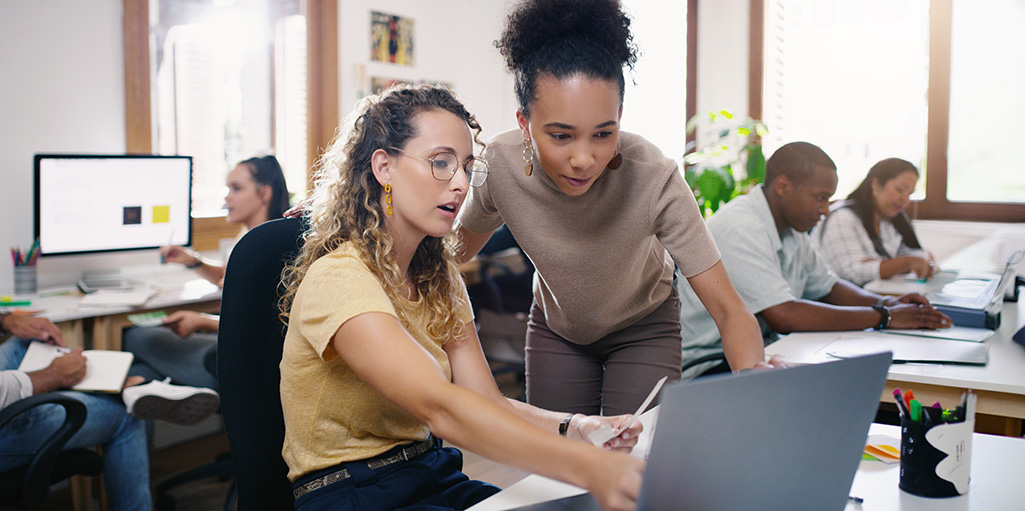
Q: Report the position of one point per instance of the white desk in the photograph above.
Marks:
(1000, 383)
(998, 464)
(176, 289)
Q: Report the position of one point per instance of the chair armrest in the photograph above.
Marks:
(37, 480)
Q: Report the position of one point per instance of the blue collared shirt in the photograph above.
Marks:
(766, 269)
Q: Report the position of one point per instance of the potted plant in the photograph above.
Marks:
(727, 147)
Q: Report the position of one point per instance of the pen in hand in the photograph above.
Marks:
(170, 239)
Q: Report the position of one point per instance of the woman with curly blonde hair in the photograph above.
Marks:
(381, 359)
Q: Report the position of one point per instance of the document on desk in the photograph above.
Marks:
(105, 370)
(908, 349)
(112, 298)
(955, 333)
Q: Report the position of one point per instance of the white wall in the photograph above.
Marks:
(62, 70)
(453, 43)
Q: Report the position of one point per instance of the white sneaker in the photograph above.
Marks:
(177, 404)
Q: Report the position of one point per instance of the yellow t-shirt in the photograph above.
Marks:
(331, 416)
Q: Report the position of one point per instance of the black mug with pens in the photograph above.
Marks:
(25, 269)
(936, 447)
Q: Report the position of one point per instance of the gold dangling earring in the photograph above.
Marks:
(528, 157)
(616, 161)
(387, 198)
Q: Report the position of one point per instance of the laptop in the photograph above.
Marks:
(785, 439)
(977, 292)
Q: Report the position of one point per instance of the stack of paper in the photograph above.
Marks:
(112, 298)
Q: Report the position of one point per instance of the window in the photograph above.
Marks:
(655, 106)
(231, 80)
(931, 81)
(987, 74)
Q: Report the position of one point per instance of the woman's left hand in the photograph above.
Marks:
(583, 425)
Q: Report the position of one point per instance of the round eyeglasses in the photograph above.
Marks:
(444, 165)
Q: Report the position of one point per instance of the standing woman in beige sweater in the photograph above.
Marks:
(601, 213)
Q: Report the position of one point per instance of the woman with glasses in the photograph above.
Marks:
(869, 236)
(601, 213)
(381, 358)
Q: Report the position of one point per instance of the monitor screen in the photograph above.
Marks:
(101, 203)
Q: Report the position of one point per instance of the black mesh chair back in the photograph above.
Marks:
(248, 353)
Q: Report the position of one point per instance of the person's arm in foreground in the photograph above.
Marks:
(380, 351)
(31, 327)
(848, 307)
(210, 271)
(741, 337)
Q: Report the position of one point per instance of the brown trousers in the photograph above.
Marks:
(610, 376)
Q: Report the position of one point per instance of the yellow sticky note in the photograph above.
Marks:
(161, 214)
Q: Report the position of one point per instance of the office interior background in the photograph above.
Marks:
(851, 76)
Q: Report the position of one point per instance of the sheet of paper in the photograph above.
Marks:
(111, 298)
(155, 318)
(606, 433)
(105, 371)
(955, 333)
(907, 348)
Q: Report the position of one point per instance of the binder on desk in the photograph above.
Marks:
(976, 301)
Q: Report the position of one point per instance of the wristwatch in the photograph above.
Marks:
(884, 316)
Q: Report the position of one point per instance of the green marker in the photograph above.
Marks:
(916, 410)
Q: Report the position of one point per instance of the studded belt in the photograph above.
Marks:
(404, 454)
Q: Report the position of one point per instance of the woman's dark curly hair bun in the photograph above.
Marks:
(564, 38)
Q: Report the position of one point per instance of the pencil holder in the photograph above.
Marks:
(24, 280)
(935, 458)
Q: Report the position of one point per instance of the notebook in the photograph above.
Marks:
(785, 439)
(105, 370)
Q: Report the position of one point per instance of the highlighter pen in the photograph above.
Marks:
(908, 396)
(916, 410)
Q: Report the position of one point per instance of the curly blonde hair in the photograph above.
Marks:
(347, 207)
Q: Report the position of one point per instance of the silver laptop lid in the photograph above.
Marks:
(785, 439)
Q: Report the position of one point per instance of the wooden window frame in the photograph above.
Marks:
(936, 206)
(322, 78)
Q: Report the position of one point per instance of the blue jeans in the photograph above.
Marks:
(433, 481)
(107, 424)
(159, 353)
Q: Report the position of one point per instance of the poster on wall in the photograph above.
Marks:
(391, 38)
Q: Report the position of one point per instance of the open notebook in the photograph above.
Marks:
(105, 370)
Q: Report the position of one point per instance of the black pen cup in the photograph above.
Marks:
(935, 457)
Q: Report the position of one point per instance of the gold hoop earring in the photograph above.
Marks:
(528, 157)
(387, 198)
(616, 161)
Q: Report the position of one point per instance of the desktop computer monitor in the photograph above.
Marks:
(104, 203)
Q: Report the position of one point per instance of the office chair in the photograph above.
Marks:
(28, 486)
(711, 357)
(248, 353)
(501, 300)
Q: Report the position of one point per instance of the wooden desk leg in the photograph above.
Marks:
(72, 332)
(81, 493)
(103, 335)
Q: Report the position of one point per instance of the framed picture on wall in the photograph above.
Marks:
(391, 38)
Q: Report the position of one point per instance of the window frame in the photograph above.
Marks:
(936, 205)
(322, 76)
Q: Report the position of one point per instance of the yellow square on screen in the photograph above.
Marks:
(161, 214)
